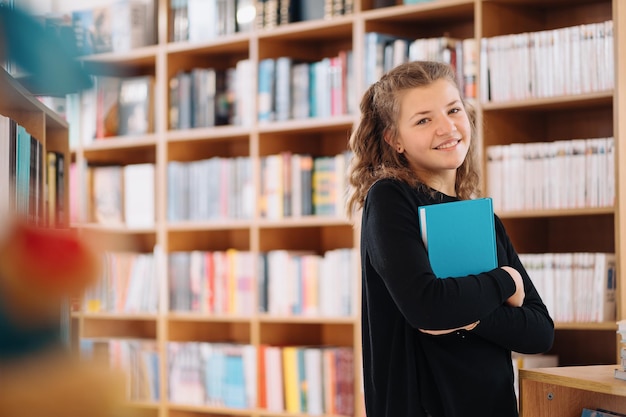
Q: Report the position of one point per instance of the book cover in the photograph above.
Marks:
(51, 177)
(136, 107)
(101, 29)
(82, 23)
(459, 236)
(291, 379)
(130, 27)
(599, 412)
(107, 97)
(107, 196)
(311, 10)
(139, 197)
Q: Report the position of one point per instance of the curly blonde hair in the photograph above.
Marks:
(374, 159)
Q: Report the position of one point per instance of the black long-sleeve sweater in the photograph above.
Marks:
(461, 374)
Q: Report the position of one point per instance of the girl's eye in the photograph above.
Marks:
(455, 110)
(421, 121)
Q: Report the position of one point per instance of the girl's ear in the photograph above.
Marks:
(390, 141)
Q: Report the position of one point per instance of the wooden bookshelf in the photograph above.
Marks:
(536, 231)
(565, 391)
(49, 128)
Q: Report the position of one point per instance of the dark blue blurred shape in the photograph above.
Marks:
(48, 60)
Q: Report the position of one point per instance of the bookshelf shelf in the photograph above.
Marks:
(546, 119)
(228, 43)
(588, 100)
(593, 211)
(609, 325)
(295, 320)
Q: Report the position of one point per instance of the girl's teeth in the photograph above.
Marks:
(447, 145)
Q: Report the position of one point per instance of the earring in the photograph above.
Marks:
(399, 148)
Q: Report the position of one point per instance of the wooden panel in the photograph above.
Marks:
(550, 400)
(562, 234)
(119, 327)
(565, 391)
(583, 347)
(209, 240)
(307, 334)
(317, 239)
(187, 331)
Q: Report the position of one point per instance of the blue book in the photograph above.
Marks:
(599, 412)
(459, 236)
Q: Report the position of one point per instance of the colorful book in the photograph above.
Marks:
(459, 236)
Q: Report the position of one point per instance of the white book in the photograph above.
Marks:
(605, 284)
(283, 93)
(202, 20)
(300, 88)
(314, 381)
(274, 379)
(250, 374)
(139, 197)
(128, 25)
(244, 101)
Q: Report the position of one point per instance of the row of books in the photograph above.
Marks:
(212, 374)
(32, 183)
(210, 189)
(113, 106)
(312, 380)
(272, 13)
(293, 89)
(562, 174)
(385, 51)
(303, 283)
(139, 359)
(120, 195)
(202, 97)
(203, 20)
(295, 185)
(119, 26)
(278, 282)
(212, 282)
(563, 61)
(128, 284)
(575, 287)
(216, 188)
(198, 97)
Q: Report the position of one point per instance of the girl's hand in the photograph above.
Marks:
(517, 299)
(446, 331)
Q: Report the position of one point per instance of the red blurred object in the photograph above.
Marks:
(40, 267)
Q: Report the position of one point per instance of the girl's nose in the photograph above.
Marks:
(445, 126)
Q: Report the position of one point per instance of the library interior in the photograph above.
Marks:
(173, 196)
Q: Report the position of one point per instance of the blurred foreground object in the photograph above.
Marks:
(39, 269)
(48, 61)
(58, 386)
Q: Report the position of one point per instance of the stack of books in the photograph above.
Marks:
(620, 371)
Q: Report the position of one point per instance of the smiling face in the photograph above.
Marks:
(434, 133)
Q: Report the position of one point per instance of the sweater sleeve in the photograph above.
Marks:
(393, 248)
(526, 329)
